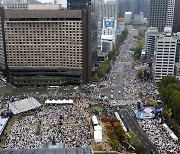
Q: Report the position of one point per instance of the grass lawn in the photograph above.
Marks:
(97, 109)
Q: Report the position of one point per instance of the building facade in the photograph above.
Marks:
(165, 54)
(78, 4)
(150, 40)
(15, 4)
(2, 54)
(48, 47)
(158, 14)
(170, 13)
(176, 20)
(128, 17)
(90, 4)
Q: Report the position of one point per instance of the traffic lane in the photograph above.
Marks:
(130, 123)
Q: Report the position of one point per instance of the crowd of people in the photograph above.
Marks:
(63, 122)
(133, 86)
(159, 136)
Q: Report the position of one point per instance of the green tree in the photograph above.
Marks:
(114, 144)
(141, 32)
(166, 113)
(140, 74)
(153, 102)
(95, 77)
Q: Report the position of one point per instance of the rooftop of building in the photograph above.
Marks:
(79, 150)
(44, 7)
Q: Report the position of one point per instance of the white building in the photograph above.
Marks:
(104, 9)
(109, 34)
(128, 17)
(165, 53)
(15, 4)
(150, 37)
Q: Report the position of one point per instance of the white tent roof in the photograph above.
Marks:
(24, 105)
(170, 132)
(148, 110)
(98, 136)
(94, 120)
(59, 101)
(3, 122)
(98, 128)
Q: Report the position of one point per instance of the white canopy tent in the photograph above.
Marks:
(174, 137)
(70, 101)
(94, 120)
(98, 136)
(98, 128)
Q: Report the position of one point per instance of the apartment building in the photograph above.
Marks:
(48, 47)
(165, 54)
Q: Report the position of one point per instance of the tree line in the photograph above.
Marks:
(169, 90)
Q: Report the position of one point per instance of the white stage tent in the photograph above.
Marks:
(24, 105)
(59, 101)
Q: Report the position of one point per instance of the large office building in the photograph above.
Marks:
(158, 14)
(105, 9)
(176, 20)
(134, 6)
(90, 4)
(165, 54)
(109, 34)
(150, 40)
(162, 13)
(15, 4)
(2, 41)
(48, 47)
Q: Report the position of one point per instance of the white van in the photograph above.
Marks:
(112, 96)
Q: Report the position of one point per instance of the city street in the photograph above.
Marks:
(131, 124)
(114, 89)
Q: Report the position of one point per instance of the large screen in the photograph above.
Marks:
(109, 23)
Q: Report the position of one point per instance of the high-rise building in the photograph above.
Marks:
(161, 14)
(2, 41)
(48, 47)
(158, 14)
(176, 20)
(150, 38)
(109, 34)
(134, 6)
(83, 4)
(15, 4)
(170, 13)
(105, 9)
(165, 53)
